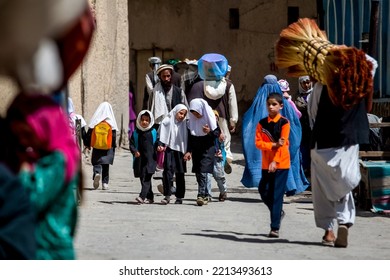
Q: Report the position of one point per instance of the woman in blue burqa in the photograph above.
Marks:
(297, 181)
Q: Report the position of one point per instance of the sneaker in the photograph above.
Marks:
(273, 234)
(227, 168)
(96, 181)
(140, 200)
(166, 200)
(179, 201)
(105, 186)
(160, 188)
(206, 200)
(222, 196)
(200, 201)
(342, 237)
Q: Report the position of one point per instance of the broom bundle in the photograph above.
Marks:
(305, 50)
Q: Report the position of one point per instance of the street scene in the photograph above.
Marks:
(112, 226)
(227, 138)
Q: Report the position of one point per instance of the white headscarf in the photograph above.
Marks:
(195, 125)
(73, 116)
(104, 113)
(137, 123)
(172, 132)
(301, 89)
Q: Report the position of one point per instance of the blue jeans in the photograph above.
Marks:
(219, 176)
(103, 170)
(201, 178)
(271, 189)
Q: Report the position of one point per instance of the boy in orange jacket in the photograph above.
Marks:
(272, 135)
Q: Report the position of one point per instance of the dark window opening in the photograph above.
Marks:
(292, 14)
(234, 19)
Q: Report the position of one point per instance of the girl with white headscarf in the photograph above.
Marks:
(203, 132)
(173, 140)
(143, 144)
(101, 159)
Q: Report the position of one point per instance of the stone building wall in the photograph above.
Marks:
(128, 32)
(189, 29)
(104, 74)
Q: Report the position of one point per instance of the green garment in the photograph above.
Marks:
(55, 206)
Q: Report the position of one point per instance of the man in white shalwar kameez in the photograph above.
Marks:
(337, 134)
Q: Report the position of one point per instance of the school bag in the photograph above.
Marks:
(102, 136)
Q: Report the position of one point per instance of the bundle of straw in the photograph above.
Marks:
(305, 50)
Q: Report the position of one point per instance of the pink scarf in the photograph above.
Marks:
(50, 125)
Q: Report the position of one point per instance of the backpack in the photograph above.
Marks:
(135, 135)
(102, 136)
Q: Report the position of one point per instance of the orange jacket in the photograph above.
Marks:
(265, 137)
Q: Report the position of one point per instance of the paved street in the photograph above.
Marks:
(113, 226)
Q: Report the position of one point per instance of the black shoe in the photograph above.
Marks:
(179, 201)
(222, 196)
(273, 234)
(227, 168)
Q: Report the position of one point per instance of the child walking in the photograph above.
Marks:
(173, 133)
(143, 144)
(219, 163)
(203, 132)
(103, 147)
(271, 138)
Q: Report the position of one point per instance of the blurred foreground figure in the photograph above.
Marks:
(17, 221)
(43, 153)
(43, 43)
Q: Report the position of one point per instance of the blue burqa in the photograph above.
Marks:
(296, 182)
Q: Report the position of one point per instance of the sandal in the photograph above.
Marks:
(140, 200)
(342, 237)
(329, 243)
(166, 200)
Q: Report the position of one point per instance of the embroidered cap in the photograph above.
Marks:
(164, 67)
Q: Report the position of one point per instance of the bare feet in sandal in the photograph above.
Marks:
(329, 238)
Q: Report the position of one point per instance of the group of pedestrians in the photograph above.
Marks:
(185, 119)
(183, 127)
